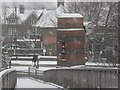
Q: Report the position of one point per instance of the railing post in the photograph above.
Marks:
(35, 72)
(29, 71)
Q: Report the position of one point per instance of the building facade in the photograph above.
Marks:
(20, 24)
(70, 40)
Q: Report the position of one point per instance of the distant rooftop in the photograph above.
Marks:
(49, 18)
(70, 15)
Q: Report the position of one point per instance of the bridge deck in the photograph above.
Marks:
(26, 82)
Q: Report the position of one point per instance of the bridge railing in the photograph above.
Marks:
(8, 79)
(96, 77)
(35, 73)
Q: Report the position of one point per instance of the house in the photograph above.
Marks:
(47, 26)
(20, 23)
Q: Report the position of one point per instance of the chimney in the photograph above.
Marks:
(15, 10)
(59, 2)
(21, 9)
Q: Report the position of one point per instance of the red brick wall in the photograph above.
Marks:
(70, 22)
(75, 57)
(71, 33)
(71, 45)
(49, 39)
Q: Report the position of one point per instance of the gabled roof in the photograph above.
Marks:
(49, 18)
(24, 16)
(12, 15)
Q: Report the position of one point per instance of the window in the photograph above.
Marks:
(11, 31)
(12, 21)
(32, 21)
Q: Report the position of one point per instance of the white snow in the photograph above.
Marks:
(99, 64)
(44, 17)
(30, 62)
(21, 57)
(48, 62)
(4, 71)
(33, 83)
(25, 68)
(27, 40)
(22, 62)
(87, 22)
(47, 56)
(70, 15)
(78, 66)
(20, 68)
(46, 68)
(49, 18)
(23, 65)
(71, 29)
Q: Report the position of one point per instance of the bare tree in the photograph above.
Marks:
(104, 15)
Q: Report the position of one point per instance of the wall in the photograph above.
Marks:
(70, 22)
(8, 79)
(83, 78)
(70, 47)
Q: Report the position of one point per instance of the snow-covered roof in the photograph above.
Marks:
(30, 62)
(23, 16)
(49, 18)
(71, 29)
(47, 56)
(70, 15)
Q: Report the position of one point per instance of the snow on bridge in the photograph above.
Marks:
(35, 83)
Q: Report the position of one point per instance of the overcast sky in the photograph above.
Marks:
(48, 4)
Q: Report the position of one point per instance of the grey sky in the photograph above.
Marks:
(38, 4)
(48, 4)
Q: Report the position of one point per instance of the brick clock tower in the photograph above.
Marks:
(70, 40)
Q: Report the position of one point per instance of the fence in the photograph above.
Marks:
(35, 73)
(98, 77)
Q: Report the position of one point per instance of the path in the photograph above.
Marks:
(33, 83)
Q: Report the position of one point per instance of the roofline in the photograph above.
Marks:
(29, 16)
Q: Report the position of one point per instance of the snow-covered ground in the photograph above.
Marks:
(20, 68)
(25, 68)
(30, 62)
(99, 64)
(23, 65)
(46, 68)
(34, 83)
